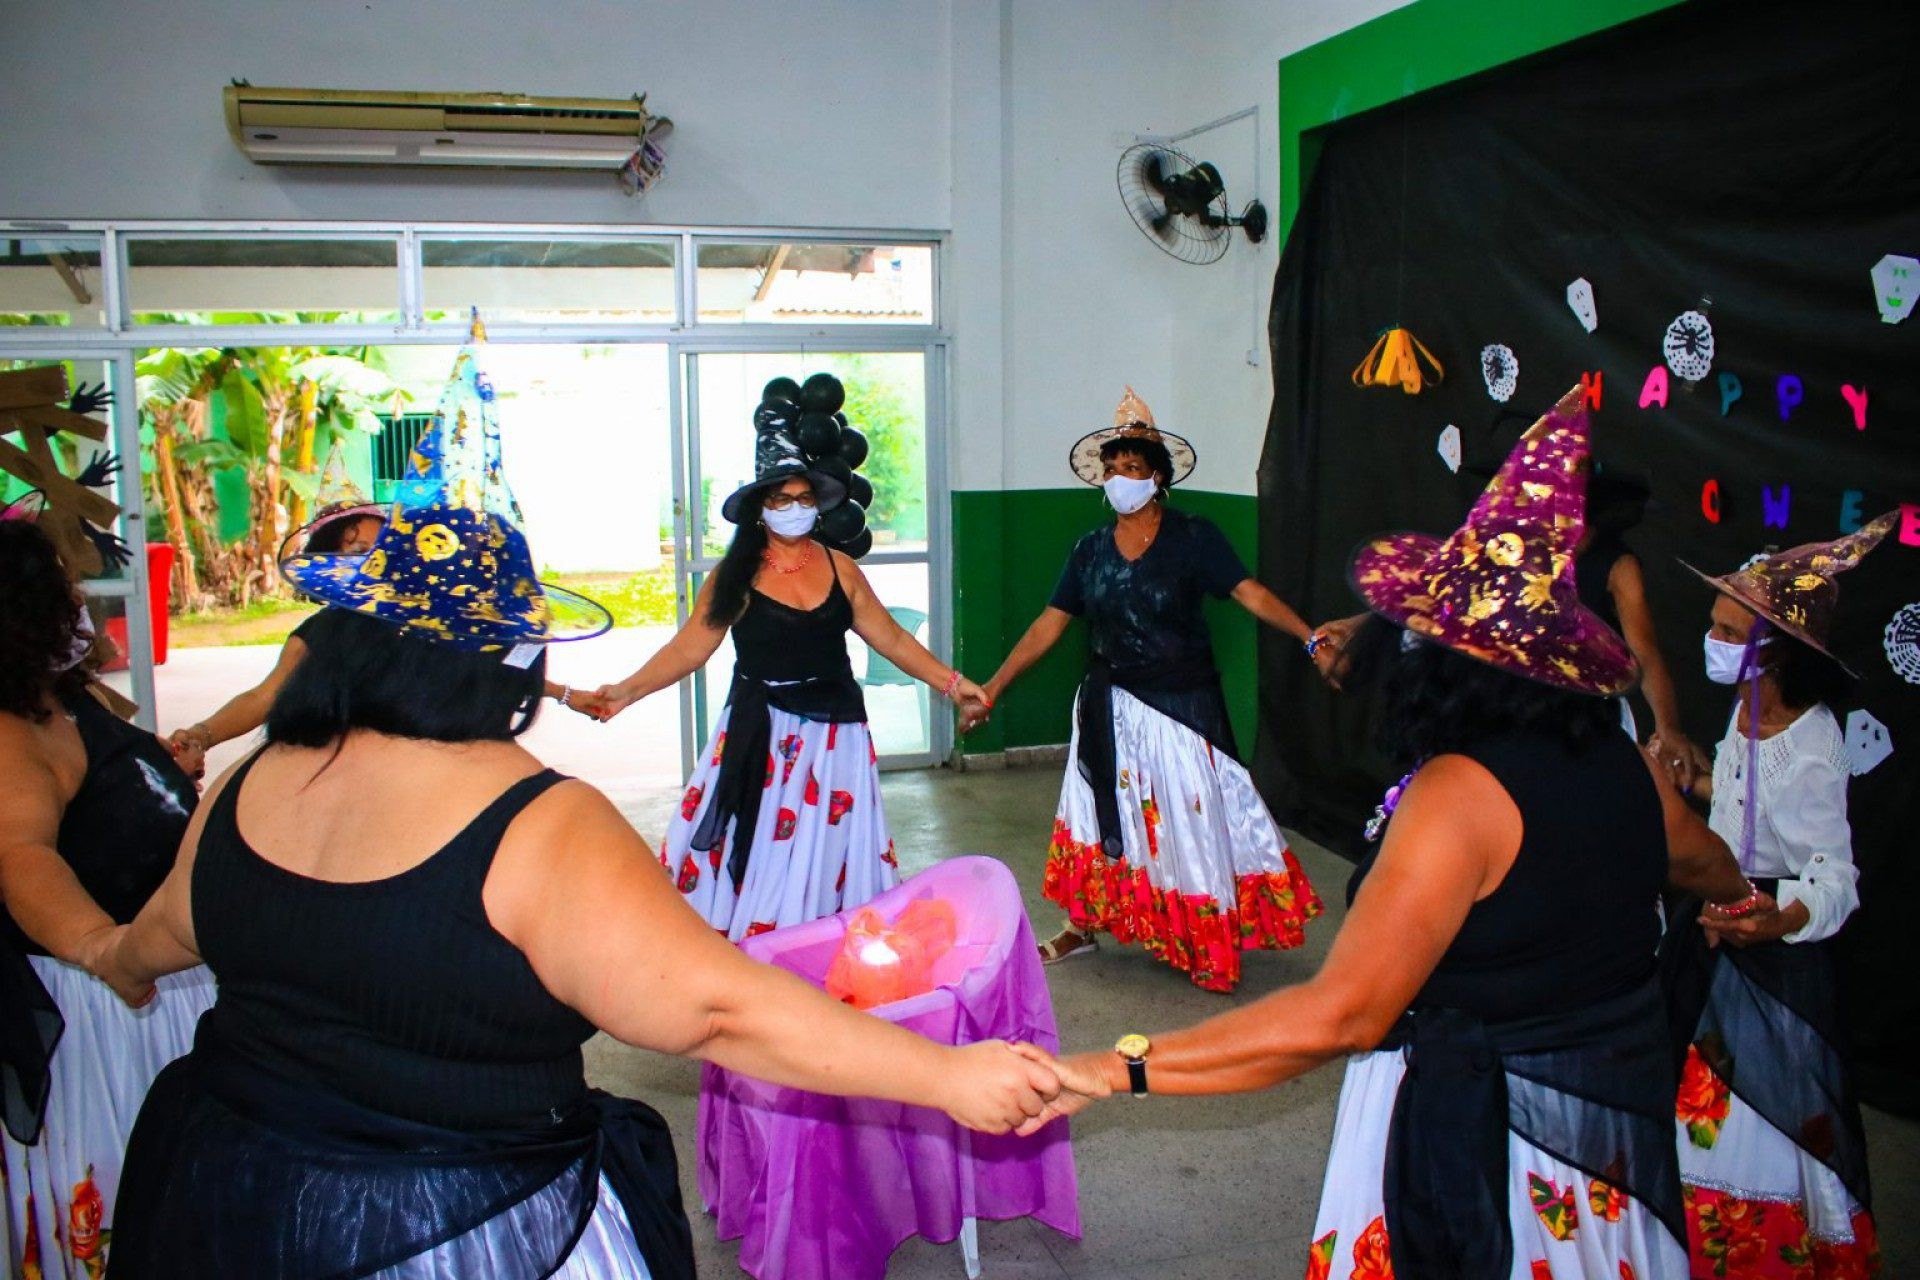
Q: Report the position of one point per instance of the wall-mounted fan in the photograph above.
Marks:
(1181, 204)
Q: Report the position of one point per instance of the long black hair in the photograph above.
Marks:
(362, 673)
(39, 618)
(733, 576)
(1439, 701)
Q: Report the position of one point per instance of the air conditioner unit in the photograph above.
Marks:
(502, 130)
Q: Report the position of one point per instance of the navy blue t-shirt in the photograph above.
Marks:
(1148, 610)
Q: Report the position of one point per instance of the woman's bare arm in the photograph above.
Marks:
(679, 658)
(37, 887)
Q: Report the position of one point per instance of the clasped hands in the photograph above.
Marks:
(1008, 1086)
(1766, 921)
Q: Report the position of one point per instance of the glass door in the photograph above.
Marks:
(67, 429)
(888, 400)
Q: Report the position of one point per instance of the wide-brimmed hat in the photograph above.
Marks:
(1501, 588)
(338, 498)
(451, 563)
(1795, 590)
(1131, 421)
(777, 458)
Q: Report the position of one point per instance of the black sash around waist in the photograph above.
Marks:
(1592, 1086)
(1766, 1018)
(829, 699)
(1188, 693)
(30, 1028)
(232, 1170)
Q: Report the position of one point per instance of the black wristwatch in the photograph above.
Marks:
(1133, 1051)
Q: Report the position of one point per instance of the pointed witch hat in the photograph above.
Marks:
(1501, 589)
(1132, 420)
(452, 563)
(1795, 590)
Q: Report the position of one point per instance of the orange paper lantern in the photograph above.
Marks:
(880, 962)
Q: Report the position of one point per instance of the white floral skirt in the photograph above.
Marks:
(1566, 1225)
(820, 844)
(1206, 873)
(59, 1192)
(1758, 1206)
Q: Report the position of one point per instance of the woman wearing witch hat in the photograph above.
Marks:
(781, 821)
(1771, 1148)
(1504, 1110)
(1160, 837)
(415, 927)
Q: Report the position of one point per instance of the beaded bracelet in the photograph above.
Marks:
(1744, 907)
(953, 682)
(1312, 643)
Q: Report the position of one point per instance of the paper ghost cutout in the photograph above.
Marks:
(1450, 447)
(1580, 298)
(1902, 643)
(1896, 282)
(1867, 742)
(1688, 346)
(1501, 368)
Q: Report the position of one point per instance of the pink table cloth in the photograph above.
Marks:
(816, 1187)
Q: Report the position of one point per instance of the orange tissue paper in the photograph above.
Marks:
(881, 961)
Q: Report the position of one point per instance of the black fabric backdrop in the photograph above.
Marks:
(1762, 155)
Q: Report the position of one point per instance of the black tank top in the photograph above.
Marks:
(777, 642)
(1576, 918)
(397, 993)
(122, 830)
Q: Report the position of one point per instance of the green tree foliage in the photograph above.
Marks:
(890, 412)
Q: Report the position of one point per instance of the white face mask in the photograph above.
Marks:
(1128, 495)
(795, 522)
(1724, 658)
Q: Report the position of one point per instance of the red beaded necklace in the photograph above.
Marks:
(806, 558)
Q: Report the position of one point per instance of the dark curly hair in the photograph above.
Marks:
(1805, 675)
(1151, 452)
(40, 618)
(1439, 701)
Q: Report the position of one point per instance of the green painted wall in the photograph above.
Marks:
(1415, 49)
(1008, 551)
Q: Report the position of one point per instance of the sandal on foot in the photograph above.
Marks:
(1056, 949)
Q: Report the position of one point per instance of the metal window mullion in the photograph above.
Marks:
(682, 575)
(124, 416)
(412, 311)
(686, 264)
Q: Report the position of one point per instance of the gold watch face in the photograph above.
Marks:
(1133, 1046)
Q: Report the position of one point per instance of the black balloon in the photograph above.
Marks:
(859, 544)
(843, 523)
(780, 389)
(840, 416)
(834, 466)
(768, 418)
(853, 446)
(860, 489)
(818, 434)
(822, 393)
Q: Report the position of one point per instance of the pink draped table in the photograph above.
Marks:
(822, 1188)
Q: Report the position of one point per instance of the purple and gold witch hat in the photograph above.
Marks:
(1795, 589)
(1501, 589)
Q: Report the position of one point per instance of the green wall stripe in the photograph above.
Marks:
(1008, 550)
(1414, 49)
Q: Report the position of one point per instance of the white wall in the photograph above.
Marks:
(1001, 120)
(823, 113)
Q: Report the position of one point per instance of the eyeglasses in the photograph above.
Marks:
(782, 501)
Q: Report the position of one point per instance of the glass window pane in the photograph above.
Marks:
(53, 282)
(815, 284)
(886, 402)
(550, 281)
(250, 281)
(45, 445)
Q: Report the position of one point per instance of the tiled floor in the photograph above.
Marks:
(1220, 1188)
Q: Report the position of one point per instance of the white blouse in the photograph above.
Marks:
(1801, 833)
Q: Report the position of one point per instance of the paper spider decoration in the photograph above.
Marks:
(36, 406)
(1688, 346)
(1396, 360)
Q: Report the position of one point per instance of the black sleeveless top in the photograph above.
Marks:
(396, 993)
(1591, 571)
(1575, 921)
(122, 829)
(776, 642)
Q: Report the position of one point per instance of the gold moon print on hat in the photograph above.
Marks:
(436, 542)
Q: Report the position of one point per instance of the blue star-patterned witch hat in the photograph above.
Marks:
(452, 563)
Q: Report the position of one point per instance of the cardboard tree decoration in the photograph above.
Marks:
(35, 406)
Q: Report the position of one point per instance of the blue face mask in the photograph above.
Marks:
(1724, 659)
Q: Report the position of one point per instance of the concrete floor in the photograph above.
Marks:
(1169, 1188)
